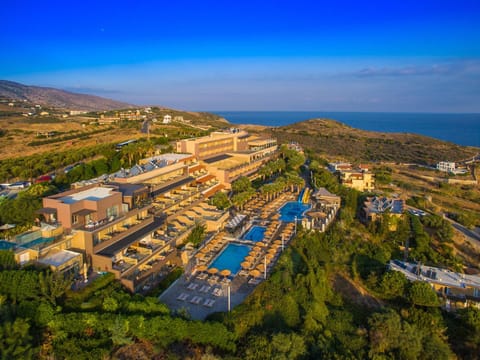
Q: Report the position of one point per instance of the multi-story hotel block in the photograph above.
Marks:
(230, 155)
(131, 223)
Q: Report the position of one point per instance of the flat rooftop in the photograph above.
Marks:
(93, 194)
(59, 258)
(217, 158)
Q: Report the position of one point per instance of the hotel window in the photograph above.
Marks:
(112, 211)
(74, 219)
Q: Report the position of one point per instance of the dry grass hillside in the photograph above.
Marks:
(336, 140)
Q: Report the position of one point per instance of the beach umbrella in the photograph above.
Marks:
(278, 242)
(272, 251)
(257, 248)
(225, 272)
(261, 267)
(249, 258)
(201, 267)
(253, 253)
(255, 273)
(200, 255)
(246, 265)
(212, 271)
(270, 256)
(261, 244)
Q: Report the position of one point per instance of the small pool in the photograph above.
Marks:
(256, 233)
(6, 245)
(293, 209)
(39, 241)
(231, 258)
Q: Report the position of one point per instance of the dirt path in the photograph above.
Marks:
(355, 292)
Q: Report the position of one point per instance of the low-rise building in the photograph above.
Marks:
(358, 180)
(375, 206)
(446, 166)
(455, 289)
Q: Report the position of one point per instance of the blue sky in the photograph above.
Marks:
(251, 55)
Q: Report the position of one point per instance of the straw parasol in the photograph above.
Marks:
(225, 272)
(246, 264)
(272, 251)
(261, 267)
(201, 267)
(253, 253)
(200, 255)
(249, 258)
(255, 273)
(212, 271)
(279, 242)
(270, 256)
(261, 244)
(257, 248)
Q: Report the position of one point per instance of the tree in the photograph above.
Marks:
(393, 284)
(7, 260)
(242, 184)
(421, 293)
(287, 346)
(220, 200)
(15, 340)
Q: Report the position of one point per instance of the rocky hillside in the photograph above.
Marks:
(337, 140)
(57, 98)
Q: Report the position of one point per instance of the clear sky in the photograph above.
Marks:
(389, 55)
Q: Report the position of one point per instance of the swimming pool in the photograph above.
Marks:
(255, 233)
(293, 209)
(231, 258)
(39, 241)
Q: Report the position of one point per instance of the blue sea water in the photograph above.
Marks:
(462, 129)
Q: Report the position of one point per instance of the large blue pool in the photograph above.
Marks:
(231, 258)
(256, 233)
(293, 209)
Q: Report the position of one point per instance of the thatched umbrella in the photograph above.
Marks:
(201, 267)
(278, 242)
(255, 273)
(246, 264)
(212, 271)
(249, 258)
(200, 255)
(257, 248)
(225, 272)
(270, 256)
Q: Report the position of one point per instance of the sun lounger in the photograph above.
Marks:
(192, 286)
(196, 300)
(209, 302)
(217, 292)
(182, 297)
(206, 289)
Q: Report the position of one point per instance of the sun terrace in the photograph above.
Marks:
(229, 264)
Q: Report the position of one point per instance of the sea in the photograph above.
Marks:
(461, 129)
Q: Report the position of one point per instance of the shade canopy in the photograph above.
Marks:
(246, 264)
(201, 267)
(212, 270)
(255, 273)
(200, 255)
(225, 272)
(7, 226)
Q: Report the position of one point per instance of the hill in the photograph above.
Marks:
(57, 98)
(337, 140)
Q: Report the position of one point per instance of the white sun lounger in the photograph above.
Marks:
(182, 297)
(192, 286)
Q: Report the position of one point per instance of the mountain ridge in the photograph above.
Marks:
(48, 96)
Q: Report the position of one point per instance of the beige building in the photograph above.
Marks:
(230, 155)
(358, 180)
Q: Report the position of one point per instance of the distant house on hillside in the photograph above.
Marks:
(446, 166)
(167, 119)
(375, 207)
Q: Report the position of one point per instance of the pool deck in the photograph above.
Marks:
(209, 297)
(201, 294)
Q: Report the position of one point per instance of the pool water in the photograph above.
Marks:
(231, 258)
(256, 233)
(39, 241)
(293, 209)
